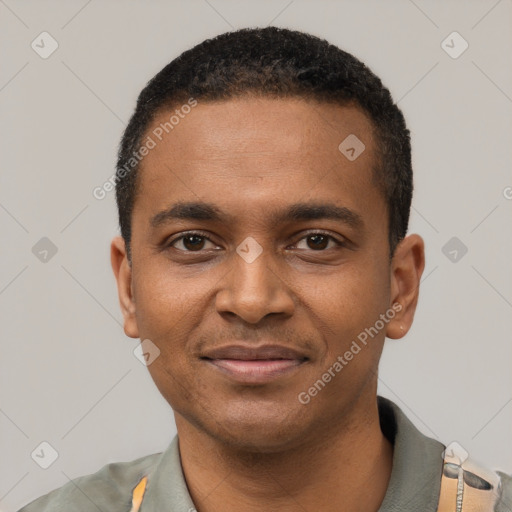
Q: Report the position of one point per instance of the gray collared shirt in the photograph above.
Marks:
(414, 484)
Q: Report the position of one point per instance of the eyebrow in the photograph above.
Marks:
(295, 212)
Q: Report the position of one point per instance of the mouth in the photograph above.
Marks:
(254, 365)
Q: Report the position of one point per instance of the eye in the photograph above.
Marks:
(319, 241)
(191, 242)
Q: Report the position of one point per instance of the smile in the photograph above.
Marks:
(254, 365)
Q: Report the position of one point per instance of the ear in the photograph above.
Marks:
(123, 273)
(406, 269)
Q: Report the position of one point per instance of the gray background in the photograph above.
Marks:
(68, 373)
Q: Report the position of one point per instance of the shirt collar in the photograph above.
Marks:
(417, 463)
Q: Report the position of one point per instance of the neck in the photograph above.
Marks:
(347, 468)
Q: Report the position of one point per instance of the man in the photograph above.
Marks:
(264, 184)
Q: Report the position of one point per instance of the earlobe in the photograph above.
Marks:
(123, 274)
(406, 270)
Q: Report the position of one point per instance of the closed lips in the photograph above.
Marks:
(261, 353)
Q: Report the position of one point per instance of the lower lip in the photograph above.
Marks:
(256, 371)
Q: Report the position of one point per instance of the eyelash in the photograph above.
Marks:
(204, 235)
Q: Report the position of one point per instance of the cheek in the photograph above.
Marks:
(168, 310)
(165, 303)
(348, 303)
(357, 293)
(347, 307)
(172, 384)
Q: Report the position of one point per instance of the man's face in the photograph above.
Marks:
(213, 308)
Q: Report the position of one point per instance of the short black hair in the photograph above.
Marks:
(274, 62)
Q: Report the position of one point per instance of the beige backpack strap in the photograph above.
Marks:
(466, 486)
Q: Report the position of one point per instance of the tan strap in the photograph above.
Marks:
(466, 486)
(138, 494)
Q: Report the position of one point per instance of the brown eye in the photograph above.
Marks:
(317, 242)
(191, 242)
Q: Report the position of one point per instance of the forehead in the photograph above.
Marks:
(253, 150)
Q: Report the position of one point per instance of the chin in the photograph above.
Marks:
(267, 429)
(267, 442)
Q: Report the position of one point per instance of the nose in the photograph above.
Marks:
(253, 290)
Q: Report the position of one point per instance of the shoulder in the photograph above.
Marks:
(110, 489)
